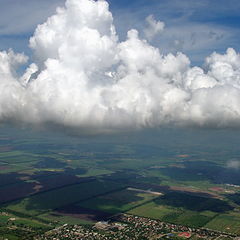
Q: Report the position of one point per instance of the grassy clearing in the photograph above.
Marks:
(15, 168)
(209, 214)
(20, 159)
(193, 219)
(4, 219)
(10, 154)
(225, 222)
(30, 223)
(116, 202)
(95, 172)
(152, 210)
(61, 219)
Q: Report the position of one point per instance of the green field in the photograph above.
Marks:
(117, 202)
(172, 215)
(95, 172)
(226, 223)
(154, 211)
(61, 219)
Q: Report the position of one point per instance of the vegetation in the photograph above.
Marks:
(225, 222)
(47, 180)
(50, 200)
(118, 202)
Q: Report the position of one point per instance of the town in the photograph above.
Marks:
(129, 227)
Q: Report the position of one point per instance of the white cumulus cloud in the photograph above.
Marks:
(154, 27)
(85, 78)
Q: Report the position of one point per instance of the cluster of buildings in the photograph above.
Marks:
(129, 227)
(70, 232)
(166, 230)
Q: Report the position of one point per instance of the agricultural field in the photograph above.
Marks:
(118, 202)
(60, 218)
(225, 222)
(188, 209)
(172, 215)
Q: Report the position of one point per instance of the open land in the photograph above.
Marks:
(108, 188)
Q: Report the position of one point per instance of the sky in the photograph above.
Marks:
(196, 28)
(103, 67)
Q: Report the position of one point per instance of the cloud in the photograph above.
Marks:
(154, 27)
(235, 164)
(85, 78)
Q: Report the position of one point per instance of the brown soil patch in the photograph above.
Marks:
(183, 156)
(25, 178)
(38, 188)
(5, 148)
(217, 189)
(3, 167)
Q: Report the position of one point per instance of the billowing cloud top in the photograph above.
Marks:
(85, 78)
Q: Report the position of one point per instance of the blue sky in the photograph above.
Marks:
(196, 28)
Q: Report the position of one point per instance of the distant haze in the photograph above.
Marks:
(85, 78)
